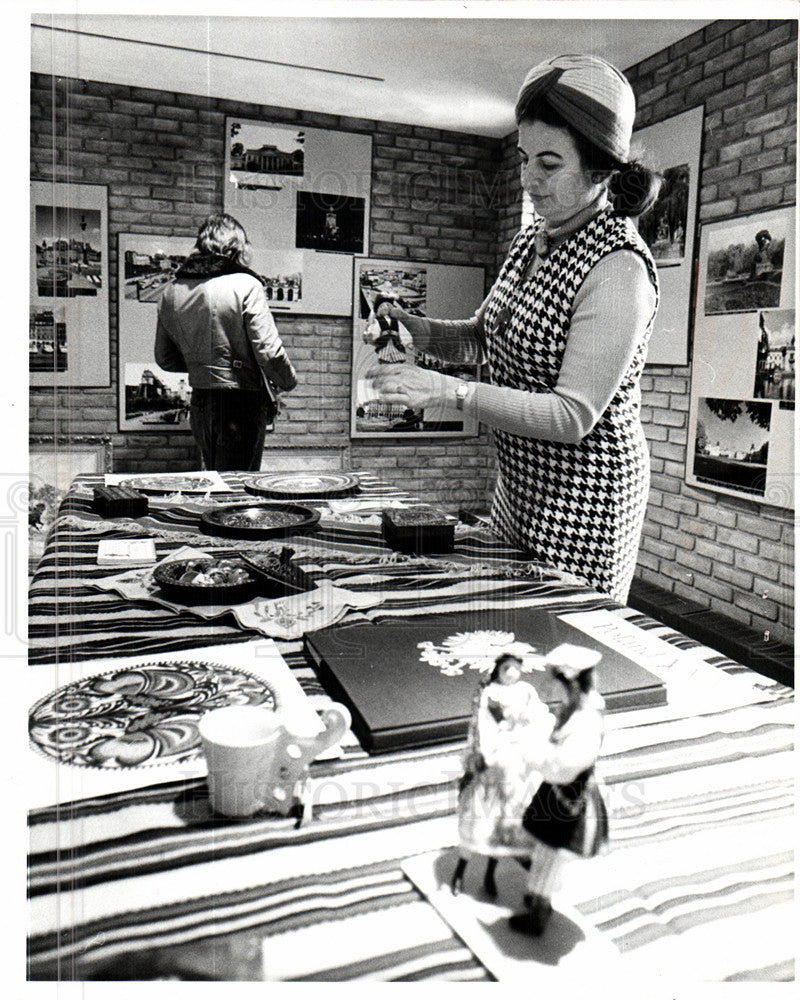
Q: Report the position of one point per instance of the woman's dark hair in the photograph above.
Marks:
(632, 187)
(583, 680)
(223, 236)
(499, 663)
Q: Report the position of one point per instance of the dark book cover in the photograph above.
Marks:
(411, 682)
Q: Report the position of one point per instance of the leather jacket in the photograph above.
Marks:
(220, 330)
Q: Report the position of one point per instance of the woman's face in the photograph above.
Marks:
(509, 673)
(552, 172)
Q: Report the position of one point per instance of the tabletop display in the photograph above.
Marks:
(133, 876)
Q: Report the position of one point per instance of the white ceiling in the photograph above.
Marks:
(453, 72)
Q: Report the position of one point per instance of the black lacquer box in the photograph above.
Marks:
(119, 501)
(419, 529)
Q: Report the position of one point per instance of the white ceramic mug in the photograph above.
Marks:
(256, 760)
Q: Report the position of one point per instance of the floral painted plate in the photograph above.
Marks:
(317, 485)
(139, 716)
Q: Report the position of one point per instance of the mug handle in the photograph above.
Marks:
(336, 719)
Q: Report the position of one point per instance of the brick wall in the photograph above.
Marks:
(434, 198)
(733, 556)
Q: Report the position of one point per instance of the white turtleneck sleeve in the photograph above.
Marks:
(611, 312)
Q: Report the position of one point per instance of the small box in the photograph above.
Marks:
(119, 501)
(419, 529)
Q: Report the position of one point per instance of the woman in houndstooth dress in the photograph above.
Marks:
(564, 333)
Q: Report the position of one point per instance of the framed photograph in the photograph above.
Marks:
(741, 406)
(303, 196)
(673, 147)
(69, 320)
(743, 266)
(438, 290)
(149, 399)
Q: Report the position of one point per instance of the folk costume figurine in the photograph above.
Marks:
(564, 333)
(385, 332)
(509, 728)
(567, 815)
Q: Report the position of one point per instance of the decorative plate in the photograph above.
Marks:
(206, 581)
(171, 484)
(139, 716)
(258, 521)
(318, 485)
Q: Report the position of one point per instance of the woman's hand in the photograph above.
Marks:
(414, 324)
(409, 386)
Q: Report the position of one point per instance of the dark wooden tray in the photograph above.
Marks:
(259, 520)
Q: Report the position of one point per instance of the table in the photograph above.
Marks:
(148, 883)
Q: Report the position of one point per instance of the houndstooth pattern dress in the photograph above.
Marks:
(579, 507)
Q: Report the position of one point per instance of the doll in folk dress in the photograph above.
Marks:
(497, 783)
(567, 815)
(543, 779)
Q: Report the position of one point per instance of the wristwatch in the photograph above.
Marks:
(461, 393)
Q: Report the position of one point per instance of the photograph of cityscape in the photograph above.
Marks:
(48, 339)
(380, 339)
(155, 398)
(68, 254)
(261, 155)
(775, 356)
(329, 222)
(732, 444)
(148, 274)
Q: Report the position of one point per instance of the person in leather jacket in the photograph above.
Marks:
(215, 324)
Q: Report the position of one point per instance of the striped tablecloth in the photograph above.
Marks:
(149, 884)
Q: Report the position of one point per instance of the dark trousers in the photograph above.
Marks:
(229, 427)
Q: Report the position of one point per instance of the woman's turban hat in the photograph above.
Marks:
(590, 94)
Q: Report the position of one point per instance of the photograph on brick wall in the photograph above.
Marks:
(672, 147)
(48, 338)
(264, 157)
(380, 339)
(329, 222)
(146, 275)
(775, 356)
(149, 399)
(663, 227)
(731, 444)
(303, 197)
(741, 400)
(743, 266)
(155, 399)
(68, 249)
(283, 279)
(68, 319)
